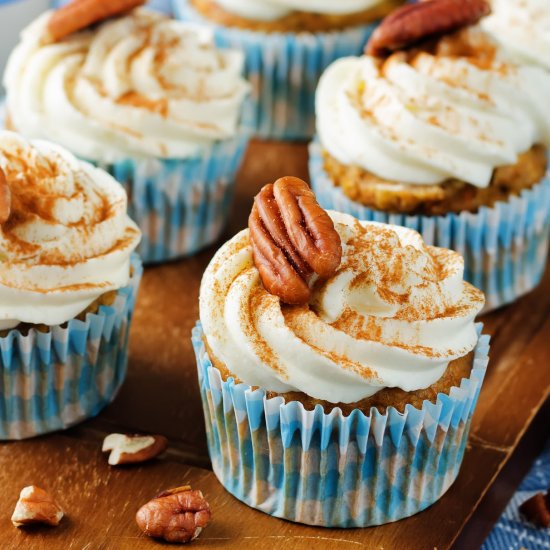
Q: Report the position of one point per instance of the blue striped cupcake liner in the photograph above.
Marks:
(284, 69)
(55, 379)
(329, 469)
(505, 247)
(180, 205)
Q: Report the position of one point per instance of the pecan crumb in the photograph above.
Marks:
(36, 506)
(133, 449)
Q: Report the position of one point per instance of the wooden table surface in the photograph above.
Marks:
(161, 396)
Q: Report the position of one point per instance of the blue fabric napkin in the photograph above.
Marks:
(512, 532)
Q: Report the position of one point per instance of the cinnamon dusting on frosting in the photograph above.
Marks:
(37, 191)
(453, 109)
(470, 44)
(139, 84)
(134, 99)
(259, 303)
(68, 239)
(373, 324)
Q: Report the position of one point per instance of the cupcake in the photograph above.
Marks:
(68, 284)
(339, 364)
(287, 43)
(523, 29)
(147, 98)
(445, 135)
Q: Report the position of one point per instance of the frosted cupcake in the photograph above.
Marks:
(68, 283)
(339, 363)
(448, 137)
(523, 29)
(288, 43)
(149, 99)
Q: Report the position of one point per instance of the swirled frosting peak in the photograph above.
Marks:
(268, 10)
(523, 28)
(394, 315)
(142, 84)
(68, 238)
(457, 111)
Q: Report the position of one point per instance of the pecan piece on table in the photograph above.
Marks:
(415, 22)
(5, 198)
(292, 238)
(536, 510)
(176, 515)
(36, 506)
(80, 14)
(133, 449)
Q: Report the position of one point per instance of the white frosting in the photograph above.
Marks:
(432, 118)
(394, 315)
(269, 10)
(68, 239)
(523, 28)
(142, 84)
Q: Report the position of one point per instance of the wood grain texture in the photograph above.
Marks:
(100, 503)
(161, 395)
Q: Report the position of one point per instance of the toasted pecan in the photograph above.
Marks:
(5, 198)
(292, 237)
(80, 14)
(177, 515)
(413, 23)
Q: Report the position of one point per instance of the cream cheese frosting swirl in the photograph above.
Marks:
(68, 239)
(523, 28)
(269, 10)
(394, 315)
(142, 84)
(425, 117)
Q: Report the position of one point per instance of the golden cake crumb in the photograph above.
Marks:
(434, 200)
(393, 397)
(298, 21)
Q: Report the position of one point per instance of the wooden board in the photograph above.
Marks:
(161, 395)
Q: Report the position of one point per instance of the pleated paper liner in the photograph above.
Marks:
(181, 205)
(53, 380)
(328, 469)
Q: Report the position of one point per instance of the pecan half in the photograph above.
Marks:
(292, 237)
(536, 510)
(5, 198)
(176, 515)
(132, 449)
(415, 22)
(80, 14)
(36, 506)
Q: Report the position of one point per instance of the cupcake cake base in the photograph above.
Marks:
(297, 21)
